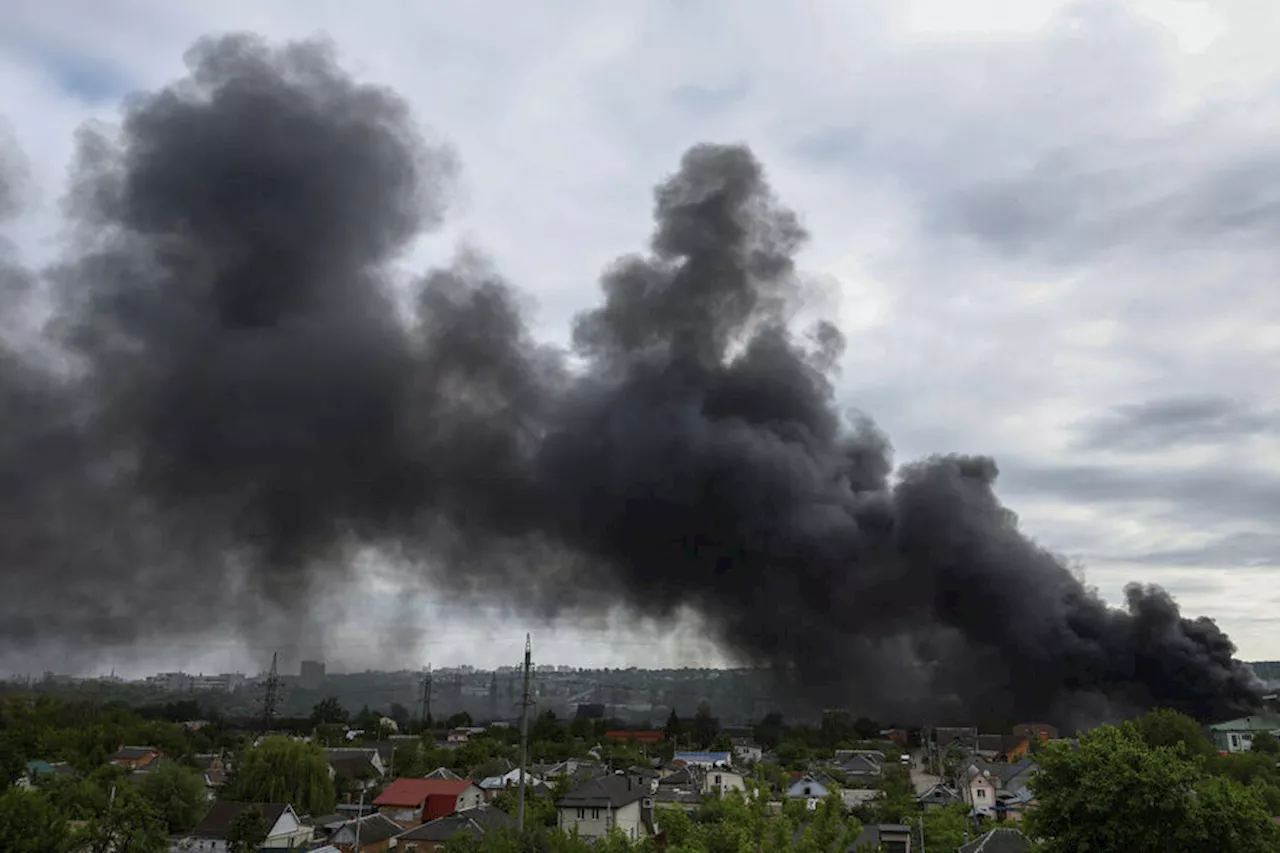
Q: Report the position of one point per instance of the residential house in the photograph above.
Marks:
(429, 837)
(895, 736)
(410, 802)
(999, 840)
(285, 831)
(213, 769)
(964, 737)
(883, 838)
(997, 789)
(1042, 732)
(746, 751)
(443, 773)
(135, 757)
(938, 797)
(991, 747)
(677, 797)
(491, 785)
(369, 834)
(856, 798)
(650, 738)
(810, 788)
(689, 775)
(859, 769)
(35, 770)
(1237, 735)
(577, 770)
(703, 759)
(608, 802)
(720, 781)
(363, 765)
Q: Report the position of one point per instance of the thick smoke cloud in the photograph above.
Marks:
(231, 401)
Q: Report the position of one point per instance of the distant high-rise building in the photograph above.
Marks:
(311, 675)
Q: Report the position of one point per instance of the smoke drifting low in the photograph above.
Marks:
(230, 401)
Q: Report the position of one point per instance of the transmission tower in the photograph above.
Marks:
(272, 695)
(424, 718)
(525, 702)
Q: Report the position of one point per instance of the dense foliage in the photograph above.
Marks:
(1117, 791)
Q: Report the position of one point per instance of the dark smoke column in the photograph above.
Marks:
(238, 405)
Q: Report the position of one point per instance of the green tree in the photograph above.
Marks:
(1265, 743)
(1166, 727)
(459, 720)
(328, 711)
(248, 831)
(945, 828)
(672, 729)
(705, 726)
(128, 825)
(177, 794)
(1116, 792)
(281, 770)
(29, 823)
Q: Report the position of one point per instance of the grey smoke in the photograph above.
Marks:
(236, 405)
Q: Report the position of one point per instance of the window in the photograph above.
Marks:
(982, 793)
(595, 814)
(717, 780)
(807, 790)
(582, 814)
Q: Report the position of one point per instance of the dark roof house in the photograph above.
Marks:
(605, 791)
(883, 838)
(283, 826)
(473, 822)
(374, 828)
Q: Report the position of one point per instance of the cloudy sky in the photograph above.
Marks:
(1045, 227)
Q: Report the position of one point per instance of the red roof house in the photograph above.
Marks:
(413, 801)
(638, 737)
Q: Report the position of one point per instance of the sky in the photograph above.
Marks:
(1045, 227)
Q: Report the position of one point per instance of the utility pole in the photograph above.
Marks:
(425, 716)
(920, 822)
(272, 696)
(525, 702)
(359, 818)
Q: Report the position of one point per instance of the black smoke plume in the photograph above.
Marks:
(232, 398)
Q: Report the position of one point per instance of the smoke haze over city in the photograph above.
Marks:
(236, 401)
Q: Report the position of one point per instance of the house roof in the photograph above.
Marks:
(1253, 723)
(131, 752)
(939, 794)
(412, 792)
(217, 821)
(871, 835)
(703, 757)
(442, 773)
(859, 765)
(611, 791)
(474, 822)
(373, 829)
(998, 840)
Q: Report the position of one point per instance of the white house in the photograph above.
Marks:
(605, 803)
(996, 788)
(721, 780)
(1237, 735)
(210, 835)
(746, 751)
(809, 788)
(491, 785)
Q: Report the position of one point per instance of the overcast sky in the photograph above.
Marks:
(1048, 226)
